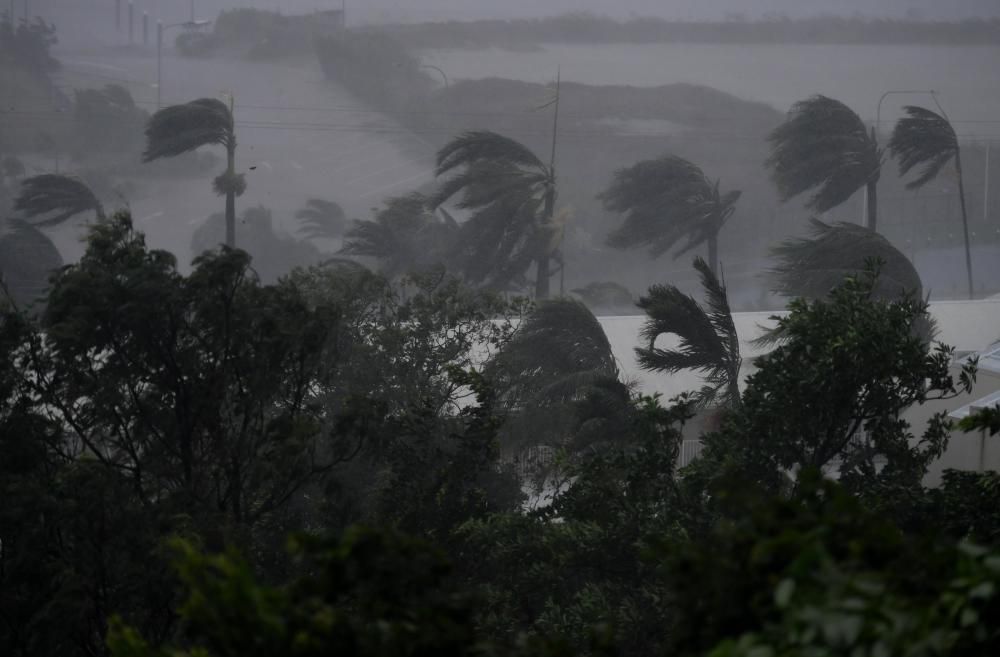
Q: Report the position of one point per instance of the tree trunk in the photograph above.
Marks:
(713, 254)
(543, 272)
(871, 214)
(542, 282)
(231, 196)
(965, 221)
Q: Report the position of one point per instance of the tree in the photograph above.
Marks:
(404, 236)
(831, 394)
(824, 146)
(708, 340)
(179, 129)
(27, 259)
(812, 267)
(926, 139)
(511, 194)
(665, 201)
(58, 196)
(322, 219)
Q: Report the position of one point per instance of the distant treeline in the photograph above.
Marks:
(588, 28)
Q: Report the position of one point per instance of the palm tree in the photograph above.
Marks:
(925, 138)
(403, 236)
(824, 146)
(511, 194)
(667, 201)
(322, 219)
(60, 197)
(179, 129)
(558, 379)
(708, 340)
(811, 267)
(27, 258)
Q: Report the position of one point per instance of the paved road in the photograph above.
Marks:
(299, 136)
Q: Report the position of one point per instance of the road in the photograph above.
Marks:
(299, 136)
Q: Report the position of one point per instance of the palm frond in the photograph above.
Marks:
(822, 146)
(663, 203)
(178, 129)
(474, 147)
(59, 197)
(707, 340)
(321, 219)
(27, 259)
(811, 267)
(922, 139)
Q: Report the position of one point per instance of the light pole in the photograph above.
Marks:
(160, 29)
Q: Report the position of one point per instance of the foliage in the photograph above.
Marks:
(511, 194)
(274, 254)
(664, 202)
(321, 219)
(404, 236)
(107, 121)
(812, 267)
(28, 45)
(822, 146)
(178, 129)
(59, 197)
(707, 338)
(923, 138)
(819, 574)
(27, 259)
(859, 362)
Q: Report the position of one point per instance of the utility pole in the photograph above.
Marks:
(159, 63)
(131, 15)
(192, 11)
(986, 188)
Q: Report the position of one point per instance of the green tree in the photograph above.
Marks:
(707, 337)
(824, 146)
(926, 139)
(830, 396)
(667, 201)
(27, 259)
(511, 194)
(179, 129)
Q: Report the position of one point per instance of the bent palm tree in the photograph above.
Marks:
(179, 129)
(925, 138)
(557, 378)
(27, 258)
(403, 236)
(60, 197)
(322, 219)
(824, 146)
(512, 196)
(707, 337)
(812, 267)
(665, 201)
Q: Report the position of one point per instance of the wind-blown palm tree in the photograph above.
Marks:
(927, 139)
(322, 219)
(27, 258)
(179, 129)
(558, 379)
(811, 267)
(57, 196)
(404, 235)
(665, 202)
(511, 194)
(824, 146)
(707, 337)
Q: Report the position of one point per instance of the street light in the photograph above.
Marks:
(443, 76)
(160, 29)
(878, 111)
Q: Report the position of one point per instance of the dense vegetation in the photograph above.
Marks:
(413, 460)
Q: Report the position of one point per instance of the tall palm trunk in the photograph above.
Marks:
(871, 191)
(713, 254)
(542, 281)
(231, 194)
(965, 220)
